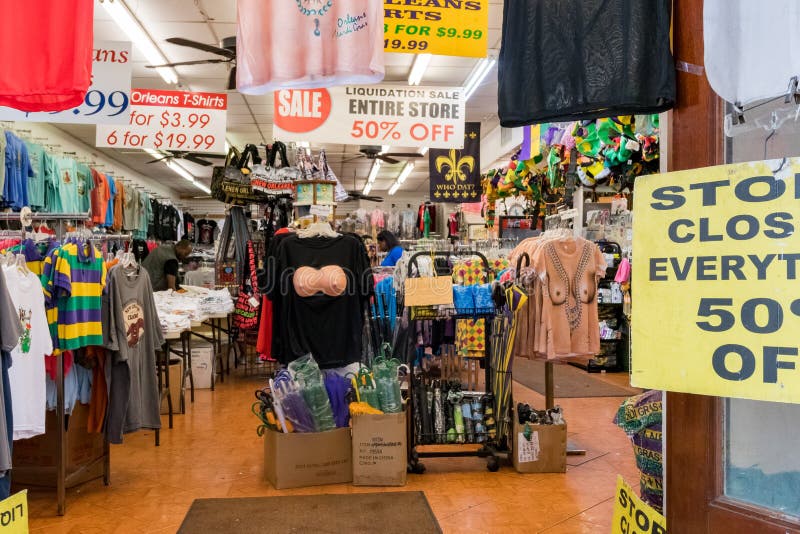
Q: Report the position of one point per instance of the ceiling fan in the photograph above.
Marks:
(227, 50)
(358, 195)
(194, 157)
(374, 152)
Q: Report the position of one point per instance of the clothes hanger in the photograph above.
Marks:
(318, 229)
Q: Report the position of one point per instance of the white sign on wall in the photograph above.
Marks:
(170, 120)
(108, 97)
(396, 115)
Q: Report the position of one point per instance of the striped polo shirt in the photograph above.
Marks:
(74, 277)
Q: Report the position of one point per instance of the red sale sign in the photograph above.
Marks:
(372, 115)
(170, 120)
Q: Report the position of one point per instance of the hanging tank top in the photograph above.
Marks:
(308, 44)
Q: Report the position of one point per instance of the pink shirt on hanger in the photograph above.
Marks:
(307, 44)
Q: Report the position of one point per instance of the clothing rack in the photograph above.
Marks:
(62, 479)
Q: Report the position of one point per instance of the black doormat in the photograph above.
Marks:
(391, 512)
(568, 381)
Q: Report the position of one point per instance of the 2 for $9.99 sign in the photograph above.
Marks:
(716, 301)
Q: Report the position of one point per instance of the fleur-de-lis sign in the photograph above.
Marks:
(455, 165)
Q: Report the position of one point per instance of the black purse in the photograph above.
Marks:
(231, 183)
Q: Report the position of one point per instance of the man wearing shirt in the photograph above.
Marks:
(162, 264)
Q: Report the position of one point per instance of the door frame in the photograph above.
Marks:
(695, 492)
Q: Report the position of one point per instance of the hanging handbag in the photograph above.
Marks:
(245, 313)
(429, 290)
(231, 182)
(281, 182)
(339, 192)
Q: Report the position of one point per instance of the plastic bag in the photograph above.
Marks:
(338, 388)
(388, 385)
(290, 402)
(309, 378)
(463, 299)
(482, 296)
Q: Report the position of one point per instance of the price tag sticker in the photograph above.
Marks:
(254, 302)
(170, 120)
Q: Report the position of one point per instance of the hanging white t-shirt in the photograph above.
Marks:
(27, 372)
(304, 44)
(751, 48)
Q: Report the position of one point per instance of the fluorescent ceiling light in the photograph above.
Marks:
(367, 189)
(402, 178)
(129, 24)
(405, 172)
(180, 171)
(477, 75)
(421, 63)
(373, 172)
(202, 187)
(385, 149)
(154, 153)
(423, 150)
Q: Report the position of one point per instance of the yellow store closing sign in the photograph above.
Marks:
(716, 303)
(445, 28)
(634, 516)
(14, 514)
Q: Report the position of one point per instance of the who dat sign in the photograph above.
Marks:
(717, 272)
(372, 115)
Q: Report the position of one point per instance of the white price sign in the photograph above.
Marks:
(396, 115)
(107, 100)
(170, 120)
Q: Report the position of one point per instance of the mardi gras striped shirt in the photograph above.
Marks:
(73, 279)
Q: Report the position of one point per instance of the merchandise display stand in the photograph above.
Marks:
(549, 381)
(63, 480)
(490, 448)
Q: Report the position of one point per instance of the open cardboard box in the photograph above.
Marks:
(545, 452)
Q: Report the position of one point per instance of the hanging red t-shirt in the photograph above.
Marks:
(47, 60)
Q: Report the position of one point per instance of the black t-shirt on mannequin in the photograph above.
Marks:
(323, 285)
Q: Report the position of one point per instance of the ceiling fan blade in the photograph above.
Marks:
(161, 159)
(404, 154)
(371, 198)
(387, 159)
(196, 62)
(232, 79)
(196, 159)
(208, 156)
(202, 46)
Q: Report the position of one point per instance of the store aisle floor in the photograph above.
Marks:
(213, 451)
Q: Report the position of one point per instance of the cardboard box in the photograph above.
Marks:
(546, 452)
(34, 459)
(202, 360)
(298, 459)
(175, 375)
(380, 457)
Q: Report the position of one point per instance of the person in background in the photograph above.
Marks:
(162, 264)
(388, 243)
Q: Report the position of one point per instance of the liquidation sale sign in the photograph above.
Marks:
(716, 281)
(396, 115)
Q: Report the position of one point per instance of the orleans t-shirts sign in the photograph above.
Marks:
(372, 115)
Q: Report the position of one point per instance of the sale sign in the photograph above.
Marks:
(372, 115)
(441, 28)
(107, 100)
(716, 305)
(634, 516)
(170, 120)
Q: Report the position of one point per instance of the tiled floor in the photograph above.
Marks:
(213, 451)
